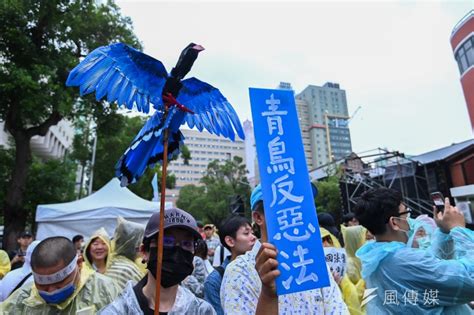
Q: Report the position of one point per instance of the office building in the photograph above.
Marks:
(324, 119)
(303, 119)
(53, 145)
(204, 148)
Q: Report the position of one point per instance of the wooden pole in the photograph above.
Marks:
(162, 220)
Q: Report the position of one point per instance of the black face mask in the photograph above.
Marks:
(177, 265)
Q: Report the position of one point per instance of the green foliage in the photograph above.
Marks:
(211, 202)
(49, 182)
(143, 187)
(185, 155)
(329, 197)
(7, 159)
(115, 132)
(40, 42)
(52, 181)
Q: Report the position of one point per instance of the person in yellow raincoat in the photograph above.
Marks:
(349, 291)
(60, 285)
(354, 238)
(5, 265)
(97, 251)
(127, 239)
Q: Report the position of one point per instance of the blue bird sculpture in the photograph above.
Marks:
(121, 73)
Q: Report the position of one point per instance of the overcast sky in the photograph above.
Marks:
(392, 58)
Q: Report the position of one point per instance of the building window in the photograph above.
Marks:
(465, 55)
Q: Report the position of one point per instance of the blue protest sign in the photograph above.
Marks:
(290, 214)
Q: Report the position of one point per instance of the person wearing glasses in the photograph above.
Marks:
(179, 239)
(411, 280)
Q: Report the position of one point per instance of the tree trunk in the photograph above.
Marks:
(14, 214)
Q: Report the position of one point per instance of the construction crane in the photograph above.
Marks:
(353, 114)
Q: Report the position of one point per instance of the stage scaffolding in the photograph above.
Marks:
(382, 168)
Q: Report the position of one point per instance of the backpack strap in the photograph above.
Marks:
(222, 254)
(21, 283)
(220, 270)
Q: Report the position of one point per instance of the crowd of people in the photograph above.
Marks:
(394, 264)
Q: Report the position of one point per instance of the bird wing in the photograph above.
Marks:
(123, 74)
(211, 109)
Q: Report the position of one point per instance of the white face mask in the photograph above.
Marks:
(424, 242)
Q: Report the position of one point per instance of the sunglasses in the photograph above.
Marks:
(170, 242)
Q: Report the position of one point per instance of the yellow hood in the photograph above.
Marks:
(102, 234)
(4, 263)
(354, 238)
(334, 239)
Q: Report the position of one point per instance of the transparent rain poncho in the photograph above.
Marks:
(93, 292)
(127, 238)
(185, 303)
(422, 228)
(15, 277)
(350, 292)
(354, 238)
(417, 281)
(104, 236)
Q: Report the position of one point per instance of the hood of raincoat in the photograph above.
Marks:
(14, 277)
(334, 239)
(127, 238)
(102, 234)
(422, 222)
(5, 266)
(354, 238)
(372, 253)
(29, 251)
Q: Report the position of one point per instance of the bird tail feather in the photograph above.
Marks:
(147, 149)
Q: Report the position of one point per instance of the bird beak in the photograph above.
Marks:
(199, 48)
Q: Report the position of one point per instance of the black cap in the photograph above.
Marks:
(174, 217)
(26, 234)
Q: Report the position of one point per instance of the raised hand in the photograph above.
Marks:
(448, 219)
(266, 266)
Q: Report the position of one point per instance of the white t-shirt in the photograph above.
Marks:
(217, 256)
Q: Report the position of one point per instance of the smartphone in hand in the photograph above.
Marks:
(438, 200)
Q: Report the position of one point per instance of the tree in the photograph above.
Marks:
(329, 196)
(211, 202)
(143, 187)
(40, 42)
(82, 147)
(115, 132)
(52, 181)
(7, 158)
(48, 182)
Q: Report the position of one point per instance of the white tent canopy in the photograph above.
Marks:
(100, 209)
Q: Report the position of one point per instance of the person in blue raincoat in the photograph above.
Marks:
(412, 280)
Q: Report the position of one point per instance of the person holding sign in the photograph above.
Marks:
(336, 260)
(249, 286)
(411, 280)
